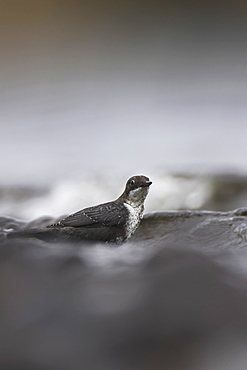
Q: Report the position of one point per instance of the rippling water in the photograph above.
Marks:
(177, 286)
(220, 192)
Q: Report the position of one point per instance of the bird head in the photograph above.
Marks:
(136, 190)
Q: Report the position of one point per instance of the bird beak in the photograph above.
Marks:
(148, 183)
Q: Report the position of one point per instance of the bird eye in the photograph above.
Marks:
(132, 182)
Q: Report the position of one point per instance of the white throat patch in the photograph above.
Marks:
(137, 196)
(135, 216)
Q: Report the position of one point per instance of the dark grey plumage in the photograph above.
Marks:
(106, 214)
(113, 221)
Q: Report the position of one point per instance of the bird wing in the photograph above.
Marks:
(107, 214)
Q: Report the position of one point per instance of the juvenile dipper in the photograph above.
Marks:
(113, 222)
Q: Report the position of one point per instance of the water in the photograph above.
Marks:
(170, 190)
(178, 285)
(180, 280)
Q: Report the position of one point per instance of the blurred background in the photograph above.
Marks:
(91, 93)
(116, 88)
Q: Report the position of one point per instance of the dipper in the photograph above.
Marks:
(113, 221)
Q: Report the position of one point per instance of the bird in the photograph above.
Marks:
(112, 222)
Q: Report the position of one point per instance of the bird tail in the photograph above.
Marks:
(43, 234)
